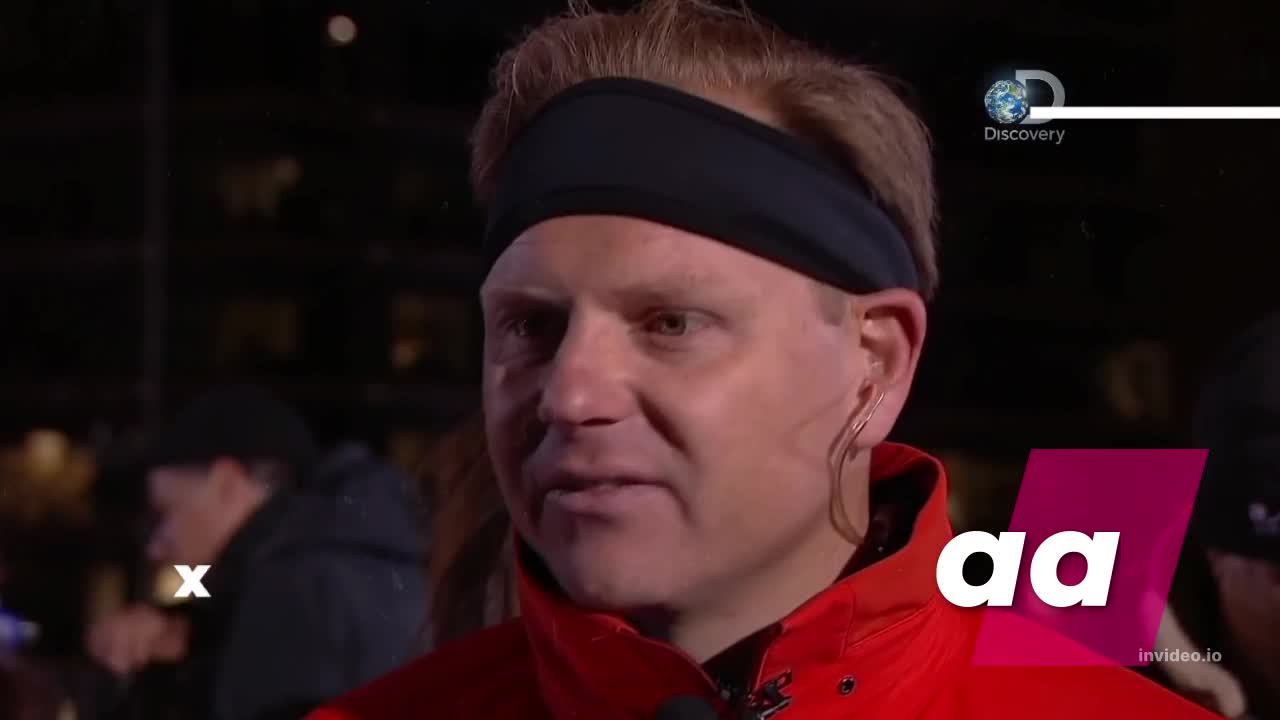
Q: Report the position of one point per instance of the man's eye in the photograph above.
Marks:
(521, 327)
(531, 326)
(673, 324)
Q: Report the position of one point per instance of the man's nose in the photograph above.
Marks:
(588, 381)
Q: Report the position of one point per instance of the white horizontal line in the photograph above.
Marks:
(1077, 112)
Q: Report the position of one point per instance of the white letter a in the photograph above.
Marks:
(1006, 554)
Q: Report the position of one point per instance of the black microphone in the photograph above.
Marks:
(686, 707)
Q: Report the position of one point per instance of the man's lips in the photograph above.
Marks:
(563, 481)
(576, 482)
(599, 496)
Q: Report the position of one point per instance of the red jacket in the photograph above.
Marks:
(881, 643)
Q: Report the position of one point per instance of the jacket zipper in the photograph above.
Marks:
(767, 699)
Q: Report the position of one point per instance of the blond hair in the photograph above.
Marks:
(848, 110)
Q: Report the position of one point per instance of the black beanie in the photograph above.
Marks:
(241, 422)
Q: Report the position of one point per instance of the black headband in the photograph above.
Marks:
(619, 146)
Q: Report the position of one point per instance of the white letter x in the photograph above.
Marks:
(191, 581)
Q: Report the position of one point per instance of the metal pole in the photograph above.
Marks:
(155, 125)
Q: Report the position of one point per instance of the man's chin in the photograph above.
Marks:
(614, 581)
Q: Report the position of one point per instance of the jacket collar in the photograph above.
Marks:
(228, 572)
(597, 665)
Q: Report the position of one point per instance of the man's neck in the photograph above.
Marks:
(775, 589)
(741, 610)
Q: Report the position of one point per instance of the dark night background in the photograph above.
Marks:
(201, 191)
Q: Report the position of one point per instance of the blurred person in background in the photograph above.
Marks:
(711, 247)
(315, 584)
(1236, 531)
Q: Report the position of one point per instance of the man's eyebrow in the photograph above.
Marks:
(655, 286)
(658, 291)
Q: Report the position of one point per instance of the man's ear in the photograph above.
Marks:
(891, 331)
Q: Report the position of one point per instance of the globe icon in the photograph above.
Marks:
(1006, 102)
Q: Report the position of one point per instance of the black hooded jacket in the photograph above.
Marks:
(322, 590)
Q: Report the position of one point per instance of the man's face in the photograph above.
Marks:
(660, 408)
(192, 524)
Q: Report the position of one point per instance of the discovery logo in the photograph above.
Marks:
(1008, 103)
